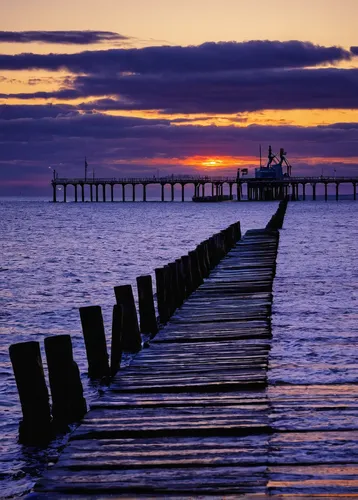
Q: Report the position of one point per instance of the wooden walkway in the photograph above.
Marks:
(193, 416)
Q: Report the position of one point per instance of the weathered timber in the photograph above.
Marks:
(116, 345)
(95, 341)
(68, 403)
(131, 338)
(35, 427)
(148, 320)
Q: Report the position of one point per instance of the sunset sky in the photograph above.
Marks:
(142, 87)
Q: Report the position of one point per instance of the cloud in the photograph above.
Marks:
(209, 57)
(354, 50)
(60, 37)
(16, 112)
(225, 92)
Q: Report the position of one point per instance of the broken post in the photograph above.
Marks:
(131, 339)
(68, 403)
(35, 427)
(95, 341)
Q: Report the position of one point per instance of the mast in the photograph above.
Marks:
(260, 155)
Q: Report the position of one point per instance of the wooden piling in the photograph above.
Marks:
(95, 341)
(180, 279)
(161, 295)
(35, 427)
(174, 289)
(131, 338)
(187, 277)
(147, 317)
(68, 403)
(116, 345)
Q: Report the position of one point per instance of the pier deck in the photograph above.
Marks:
(194, 415)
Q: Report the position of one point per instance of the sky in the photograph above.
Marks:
(147, 87)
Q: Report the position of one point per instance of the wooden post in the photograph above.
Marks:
(131, 339)
(174, 288)
(83, 192)
(195, 269)
(169, 289)
(54, 187)
(35, 427)
(161, 295)
(162, 192)
(95, 341)
(148, 320)
(181, 283)
(116, 346)
(68, 403)
(188, 281)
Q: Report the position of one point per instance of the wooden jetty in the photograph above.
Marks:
(103, 189)
(193, 415)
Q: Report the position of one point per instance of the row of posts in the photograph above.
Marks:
(174, 283)
(216, 190)
(276, 221)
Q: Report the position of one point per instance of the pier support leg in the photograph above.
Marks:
(182, 192)
(68, 403)
(238, 191)
(91, 192)
(144, 192)
(95, 341)
(314, 192)
(212, 189)
(230, 191)
(162, 192)
(172, 189)
(203, 190)
(112, 193)
(54, 193)
(116, 345)
(354, 191)
(76, 197)
(325, 192)
(96, 192)
(123, 192)
(104, 192)
(133, 192)
(30, 380)
(83, 193)
(337, 191)
(131, 339)
(148, 320)
(304, 191)
(65, 193)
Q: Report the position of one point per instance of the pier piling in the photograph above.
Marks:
(95, 341)
(35, 427)
(68, 403)
(147, 317)
(131, 338)
(116, 345)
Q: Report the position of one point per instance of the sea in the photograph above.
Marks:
(56, 258)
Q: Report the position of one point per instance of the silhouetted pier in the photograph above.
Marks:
(249, 188)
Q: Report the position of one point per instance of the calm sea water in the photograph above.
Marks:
(57, 258)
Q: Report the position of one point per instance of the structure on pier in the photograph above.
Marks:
(269, 183)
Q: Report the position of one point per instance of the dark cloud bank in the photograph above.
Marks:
(208, 57)
(60, 37)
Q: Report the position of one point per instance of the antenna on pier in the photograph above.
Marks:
(260, 155)
(86, 166)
